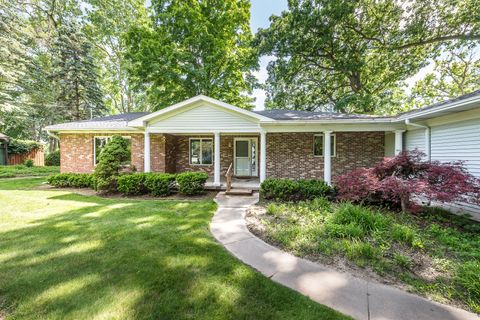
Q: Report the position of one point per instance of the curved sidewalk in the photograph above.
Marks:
(358, 298)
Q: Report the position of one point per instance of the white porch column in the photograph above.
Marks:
(398, 141)
(216, 160)
(146, 152)
(263, 156)
(327, 157)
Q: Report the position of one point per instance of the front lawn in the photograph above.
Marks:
(67, 256)
(21, 171)
(435, 254)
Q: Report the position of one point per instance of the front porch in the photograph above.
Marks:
(252, 183)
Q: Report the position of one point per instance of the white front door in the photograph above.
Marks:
(245, 157)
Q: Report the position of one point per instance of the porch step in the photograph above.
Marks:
(239, 192)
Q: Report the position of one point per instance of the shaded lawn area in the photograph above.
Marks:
(22, 171)
(435, 253)
(67, 256)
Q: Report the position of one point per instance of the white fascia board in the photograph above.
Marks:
(141, 122)
(446, 107)
(95, 130)
(204, 131)
(318, 127)
(330, 121)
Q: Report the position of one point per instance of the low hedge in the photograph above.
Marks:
(71, 180)
(295, 190)
(191, 183)
(160, 185)
(157, 184)
(132, 184)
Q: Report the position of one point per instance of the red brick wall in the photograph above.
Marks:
(76, 151)
(182, 162)
(290, 155)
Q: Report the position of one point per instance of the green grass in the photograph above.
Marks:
(67, 256)
(437, 254)
(22, 171)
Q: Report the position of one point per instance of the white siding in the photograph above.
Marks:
(205, 117)
(415, 139)
(458, 141)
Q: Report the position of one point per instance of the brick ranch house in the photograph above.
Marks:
(204, 134)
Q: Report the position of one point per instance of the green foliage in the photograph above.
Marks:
(53, 158)
(28, 163)
(191, 183)
(157, 184)
(294, 190)
(160, 184)
(132, 184)
(194, 47)
(453, 76)
(22, 171)
(71, 180)
(108, 167)
(397, 245)
(16, 146)
(354, 56)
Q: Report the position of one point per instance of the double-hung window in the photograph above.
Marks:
(201, 151)
(100, 142)
(318, 143)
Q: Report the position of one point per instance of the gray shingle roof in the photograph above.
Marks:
(440, 104)
(117, 121)
(281, 114)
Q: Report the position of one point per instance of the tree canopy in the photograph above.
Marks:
(354, 56)
(193, 47)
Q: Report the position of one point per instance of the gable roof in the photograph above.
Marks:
(197, 99)
(128, 121)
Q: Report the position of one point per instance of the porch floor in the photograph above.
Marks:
(237, 183)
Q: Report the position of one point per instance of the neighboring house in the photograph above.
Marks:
(204, 134)
(3, 149)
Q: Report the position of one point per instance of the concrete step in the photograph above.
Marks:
(239, 192)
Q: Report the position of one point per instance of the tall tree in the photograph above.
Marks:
(456, 75)
(106, 26)
(194, 47)
(354, 56)
(76, 74)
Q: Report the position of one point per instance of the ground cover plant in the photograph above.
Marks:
(68, 256)
(22, 170)
(433, 253)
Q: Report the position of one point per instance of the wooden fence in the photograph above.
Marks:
(37, 155)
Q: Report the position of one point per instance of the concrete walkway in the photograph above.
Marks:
(359, 298)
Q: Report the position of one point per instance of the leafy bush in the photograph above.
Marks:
(28, 163)
(294, 190)
(16, 146)
(191, 183)
(394, 181)
(108, 168)
(71, 180)
(53, 158)
(132, 184)
(160, 184)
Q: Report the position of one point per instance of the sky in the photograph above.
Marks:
(261, 10)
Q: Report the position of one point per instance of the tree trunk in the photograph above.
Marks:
(405, 203)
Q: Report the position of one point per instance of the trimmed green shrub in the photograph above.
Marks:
(191, 183)
(71, 180)
(132, 184)
(294, 190)
(53, 158)
(28, 163)
(160, 184)
(109, 164)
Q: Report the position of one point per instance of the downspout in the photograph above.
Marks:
(428, 147)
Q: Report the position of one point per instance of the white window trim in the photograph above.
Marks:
(95, 146)
(333, 136)
(201, 155)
